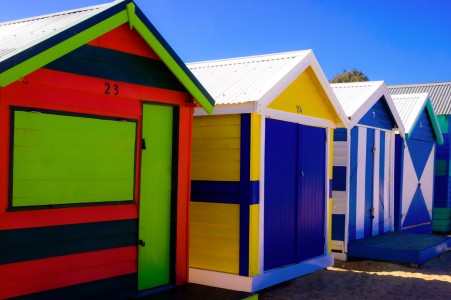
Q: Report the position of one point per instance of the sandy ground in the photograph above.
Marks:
(366, 279)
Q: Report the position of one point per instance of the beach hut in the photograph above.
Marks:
(440, 96)
(261, 170)
(414, 165)
(96, 121)
(363, 163)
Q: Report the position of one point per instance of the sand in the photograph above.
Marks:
(366, 279)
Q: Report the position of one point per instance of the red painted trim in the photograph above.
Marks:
(184, 185)
(125, 40)
(37, 86)
(61, 271)
(66, 216)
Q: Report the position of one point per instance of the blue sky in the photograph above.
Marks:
(399, 41)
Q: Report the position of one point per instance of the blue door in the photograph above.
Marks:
(294, 193)
(312, 194)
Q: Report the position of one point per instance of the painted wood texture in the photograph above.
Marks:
(53, 90)
(400, 247)
(67, 270)
(306, 96)
(423, 129)
(339, 184)
(294, 193)
(155, 217)
(216, 148)
(214, 237)
(379, 116)
(60, 159)
(369, 182)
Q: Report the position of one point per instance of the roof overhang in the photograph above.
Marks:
(380, 92)
(435, 124)
(261, 105)
(53, 46)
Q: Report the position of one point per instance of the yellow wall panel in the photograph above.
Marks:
(214, 236)
(306, 96)
(255, 146)
(216, 148)
(254, 225)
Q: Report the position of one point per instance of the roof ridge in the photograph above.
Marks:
(65, 12)
(420, 84)
(250, 59)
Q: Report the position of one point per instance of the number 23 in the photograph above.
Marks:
(108, 88)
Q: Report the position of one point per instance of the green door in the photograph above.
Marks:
(154, 249)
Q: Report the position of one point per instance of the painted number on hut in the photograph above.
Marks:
(299, 109)
(111, 89)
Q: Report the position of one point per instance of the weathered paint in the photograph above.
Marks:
(305, 96)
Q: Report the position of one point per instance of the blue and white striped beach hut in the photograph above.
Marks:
(363, 163)
(414, 166)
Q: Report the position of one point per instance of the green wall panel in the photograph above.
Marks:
(443, 123)
(60, 159)
(154, 257)
(440, 167)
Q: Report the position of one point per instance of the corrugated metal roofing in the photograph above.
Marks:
(352, 95)
(245, 79)
(18, 35)
(439, 94)
(409, 107)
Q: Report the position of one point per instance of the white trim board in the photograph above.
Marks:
(259, 282)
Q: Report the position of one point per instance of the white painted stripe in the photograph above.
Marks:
(279, 275)
(261, 281)
(339, 202)
(220, 280)
(392, 182)
(387, 176)
(340, 154)
(297, 118)
(427, 181)
(361, 168)
(376, 172)
(410, 184)
(262, 196)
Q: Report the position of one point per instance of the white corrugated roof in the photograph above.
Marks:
(409, 107)
(439, 94)
(17, 35)
(245, 79)
(353, 95)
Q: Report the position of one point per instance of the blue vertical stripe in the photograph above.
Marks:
(353, 182)
(369, 183)
(399, 164)
(381, 181)
(245, 192)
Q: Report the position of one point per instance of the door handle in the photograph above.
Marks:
(141, 243)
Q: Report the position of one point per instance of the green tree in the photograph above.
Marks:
(351, 75)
